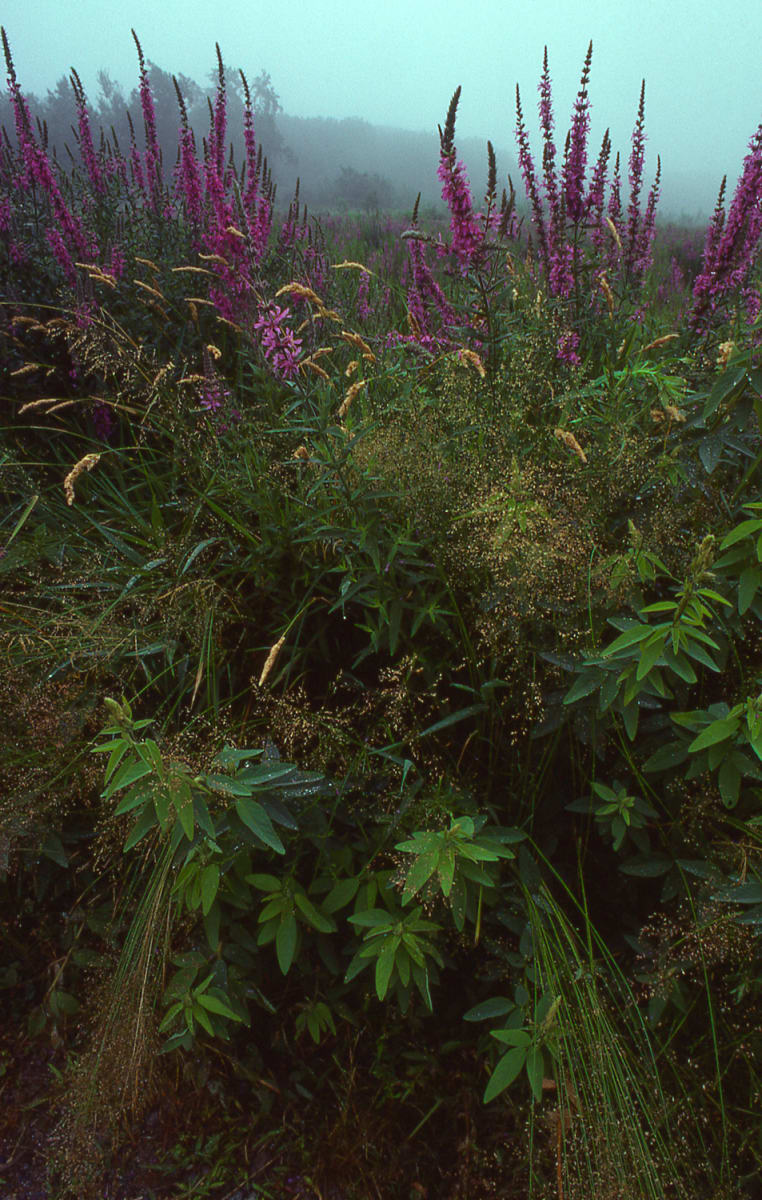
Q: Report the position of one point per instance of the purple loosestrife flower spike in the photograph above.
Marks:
(526, 165)
(189, 181)
(637, 161)
(644, 256)
(447, 137)
(732, 243)
(152, 151)
(575, 164)
(594, 200)
(87, 150)
(549, 147)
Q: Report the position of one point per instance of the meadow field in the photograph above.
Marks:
(381, 674)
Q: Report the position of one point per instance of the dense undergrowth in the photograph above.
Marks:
(381, 681)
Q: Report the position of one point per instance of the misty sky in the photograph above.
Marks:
(397, 62)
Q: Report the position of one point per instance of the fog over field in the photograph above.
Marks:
(397, 64)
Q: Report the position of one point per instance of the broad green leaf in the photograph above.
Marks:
(630, 716)
(128, 774)
(748, 586)
(285, 942)
(137, 795)
(458, 900)
(216, 1006)
(264, 883)
(583, 686)
(420, 872)
(534, 1071)
(210, 882)
(311, 914)
(372, 917)
(446, 870)
(341, 894)
(512, 1037)
(384, 968)
(254, 816)
(718, 731)
(671, 755)
(145, 822)
(461, 715)
(498, 1006)
(185, 809)
(629, 638)
(649, 656)
(202, 1018)
(507, 1069)
(745, 529)
(227, 785)
(729, 780)
(117, 754)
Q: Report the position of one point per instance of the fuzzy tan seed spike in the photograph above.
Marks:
(349, 397)
(614, 232)
(661, 341)
(271, 660)
(147, 287)
(469, 358)
(85, 464)
(569, 440)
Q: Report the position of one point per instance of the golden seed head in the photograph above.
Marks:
(85, 464)
(469, 358)
(725, 351)
(271, 659)
(569, 440)
(349, 397)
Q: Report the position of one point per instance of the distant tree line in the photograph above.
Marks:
(345, 164)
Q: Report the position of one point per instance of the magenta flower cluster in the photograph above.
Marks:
(280, 344)
(732, 240)
(569, 210)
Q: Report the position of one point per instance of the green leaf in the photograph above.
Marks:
(118, 751)
(420, 872)
(512, 1037)
(629, 638)
(285, 942)
(745, 529)
(341, 894)
(649, 656)
(534, 1070)
(264, 883)
(373, 918)
(203, 1019)
(210, 882)
(311, 914)
(671, 755)
(134, 797)
(216, 1006)
(254, 816)
(583, 686)
(145, 822)
(128, 774)
(729, 780)
(630, 716)
(507, 1069)
(497, 1006)
(718, 731)
(748, 586)
(447, 871)
(384, 968)
(461, 715)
